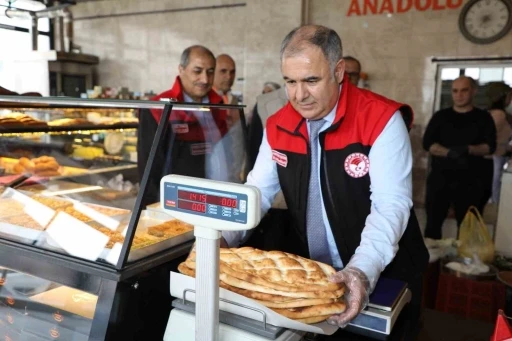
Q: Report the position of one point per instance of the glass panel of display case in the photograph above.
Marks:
(33, 308)
(71, 175)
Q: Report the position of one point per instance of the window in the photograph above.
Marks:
(472, 72)
(507, 75)
(491, 75)
(14, 31)
(450, 73)
(483, 74)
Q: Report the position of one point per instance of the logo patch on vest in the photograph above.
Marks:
(280, 158)
(357, 165)
(180, 128)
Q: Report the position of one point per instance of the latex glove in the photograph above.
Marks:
(458, 152)
(356, 294)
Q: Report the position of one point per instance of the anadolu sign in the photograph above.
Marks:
(367, 7)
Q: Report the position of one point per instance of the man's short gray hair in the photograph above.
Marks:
(185, 55)
(323, 37)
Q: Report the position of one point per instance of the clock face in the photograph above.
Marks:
(485, 21)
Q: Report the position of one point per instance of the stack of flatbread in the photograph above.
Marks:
(295, 287)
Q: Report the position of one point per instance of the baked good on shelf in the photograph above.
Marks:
(45, 166)
(75, 214)
(140, 240)
(64, 122)
(16, 119)
(169, 229)
(23, 220)
(109, 211)
(52, 203)
(87, 153)
(10, 123)
(10, 207)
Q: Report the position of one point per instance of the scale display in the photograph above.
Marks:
(223, 205)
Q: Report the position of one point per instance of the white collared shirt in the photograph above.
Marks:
(216, 162)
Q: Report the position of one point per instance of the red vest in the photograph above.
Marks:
(360, 118)
(184, 124)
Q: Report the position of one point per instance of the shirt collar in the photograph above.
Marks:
(188, 99)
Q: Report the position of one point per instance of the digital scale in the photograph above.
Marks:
(215, 206)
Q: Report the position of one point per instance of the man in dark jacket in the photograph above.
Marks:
(457, 139)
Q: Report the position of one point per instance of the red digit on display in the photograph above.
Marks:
(228, 202)
(199, 207)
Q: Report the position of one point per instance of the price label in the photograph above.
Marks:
(77, 238)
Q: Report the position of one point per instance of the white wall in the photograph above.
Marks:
(142, 51)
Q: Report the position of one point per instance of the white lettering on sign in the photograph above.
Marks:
(368, 7)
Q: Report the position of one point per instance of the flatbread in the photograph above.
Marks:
(306, 302)
(313, 319)
(184, 269)
(315, 310)
(274, 269)
(259, 288)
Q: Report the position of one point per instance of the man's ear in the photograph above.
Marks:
(339, 71)
(181, 69)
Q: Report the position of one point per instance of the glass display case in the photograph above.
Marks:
(83, 256)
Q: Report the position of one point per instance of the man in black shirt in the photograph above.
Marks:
(457, 139)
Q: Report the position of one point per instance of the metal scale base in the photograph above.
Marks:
(181, 326)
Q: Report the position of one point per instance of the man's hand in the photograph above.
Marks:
(356, 299)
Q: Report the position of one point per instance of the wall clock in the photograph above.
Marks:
(485, 21)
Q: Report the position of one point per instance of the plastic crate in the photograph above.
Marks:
(476, 299)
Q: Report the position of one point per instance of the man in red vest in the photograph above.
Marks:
(196, 149)
(342, 157)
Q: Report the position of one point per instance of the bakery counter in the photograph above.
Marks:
(97, 241)
(56, 286)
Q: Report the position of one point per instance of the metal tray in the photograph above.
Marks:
(22, 234)
(123, 212)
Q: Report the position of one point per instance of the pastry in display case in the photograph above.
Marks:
(55, 223)
(74, 228)
(55, 142)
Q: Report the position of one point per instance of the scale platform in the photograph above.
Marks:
(232, 327)
(375, 322)
(386, 302)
